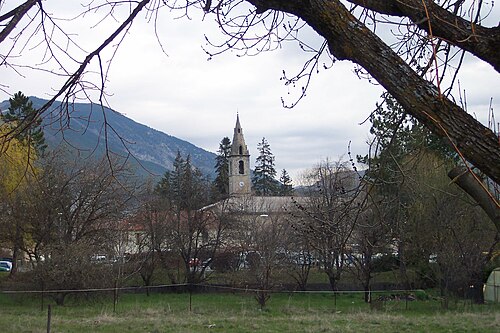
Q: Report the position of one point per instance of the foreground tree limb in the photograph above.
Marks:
(463, 178)
(15, 15)
(349, 39)
(480, 41)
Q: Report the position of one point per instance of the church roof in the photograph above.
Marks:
(249, 204)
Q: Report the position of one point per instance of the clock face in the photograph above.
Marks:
(242, 184)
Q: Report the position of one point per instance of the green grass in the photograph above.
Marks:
(226, 312)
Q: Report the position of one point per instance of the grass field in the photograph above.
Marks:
(227, 312)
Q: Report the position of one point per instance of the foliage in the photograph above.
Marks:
(24, 122)
(285, 186)
(371, 239)
(298, 256)
(263, 176)
(66, 215)
(429, 219)
(70, 267)
(221, 181)
(16, 173)
(15, 164)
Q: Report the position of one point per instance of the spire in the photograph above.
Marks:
(238, 146)
(238, 120)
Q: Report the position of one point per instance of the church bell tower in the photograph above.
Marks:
(239, 164)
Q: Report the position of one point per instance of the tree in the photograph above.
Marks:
(263, 176)
(221, 181)
(299, 254)
(259, 233)
(448, 239)
(371, 239)
(286, 187)
(194, 233)
(16, 173)
(431, 40)
(24, 122)
(156, 247)
(329, 215)
(428, 218)
(267, 238)
(14, 162)
(69, 214)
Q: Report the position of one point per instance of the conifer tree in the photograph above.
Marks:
(170, 185)
(184, 186)
(263, 179)
(286, 188)
(221, 182)
(24, 122)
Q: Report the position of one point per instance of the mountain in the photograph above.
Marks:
(152, 149)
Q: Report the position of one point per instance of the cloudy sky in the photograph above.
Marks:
(181, 93)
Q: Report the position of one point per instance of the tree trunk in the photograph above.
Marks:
(366, 288)
(402, 266)
(349, 39)
(16, 251)
(332, 280)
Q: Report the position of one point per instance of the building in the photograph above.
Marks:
(241, 199)
(239, 164)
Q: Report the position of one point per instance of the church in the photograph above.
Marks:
(241, 197)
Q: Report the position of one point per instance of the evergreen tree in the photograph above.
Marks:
(263, 177)
(25, 123)
(221, 182)
(398, 136)
(286, 187)
(184, 187)
(194, 187)
(170, 185)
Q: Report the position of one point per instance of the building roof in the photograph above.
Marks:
(249, 204)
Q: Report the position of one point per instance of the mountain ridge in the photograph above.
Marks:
(154, 150)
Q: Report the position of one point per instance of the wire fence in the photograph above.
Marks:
(208, 287)
(193, 297)
(373, 296)
(368, 296)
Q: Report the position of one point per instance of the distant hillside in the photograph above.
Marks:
(155, 150)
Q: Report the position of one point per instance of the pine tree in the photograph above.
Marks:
(25, 123)
(194, 187)
(221, 182)
(169, 186)
(286, 187)
(263, 178)
(184, 187)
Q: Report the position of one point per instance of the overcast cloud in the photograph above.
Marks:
(187, 96)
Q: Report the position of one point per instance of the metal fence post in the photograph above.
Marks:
(49, 317)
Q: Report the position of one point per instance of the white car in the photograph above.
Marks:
(5, 266)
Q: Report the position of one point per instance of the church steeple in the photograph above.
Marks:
(239, 163)
(238, 147)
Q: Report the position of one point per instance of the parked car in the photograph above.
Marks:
(5, 266)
